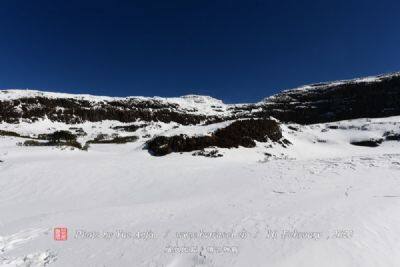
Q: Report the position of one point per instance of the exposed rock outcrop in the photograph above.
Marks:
(239, 133)
(71, 110)
(368, 143)
(372, 97)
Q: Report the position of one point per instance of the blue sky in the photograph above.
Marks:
(238, 51)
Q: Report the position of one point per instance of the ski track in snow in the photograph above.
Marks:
(14, 241)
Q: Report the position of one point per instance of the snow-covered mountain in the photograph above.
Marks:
(308, 177)
(315, 103)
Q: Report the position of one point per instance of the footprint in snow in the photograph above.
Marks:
(38, 259)
(13, 241)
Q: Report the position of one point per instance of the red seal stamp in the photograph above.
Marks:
(60, 234)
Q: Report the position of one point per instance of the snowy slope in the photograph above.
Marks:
(312, 198)
(319, 202)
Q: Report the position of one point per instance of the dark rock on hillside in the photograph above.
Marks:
(9, 133)
(208, 154)
(103, 139)
(78, 131)
(293, 128)
(368, 143)
(379, 97)
(334, 127)
(391, 136)
(70, 110)
(239, 133)
(128, 128)
(59, 138)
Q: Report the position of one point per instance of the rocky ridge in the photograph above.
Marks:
(370, 97)
(323, 102)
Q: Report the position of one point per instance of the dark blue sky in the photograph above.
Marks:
(238, 51)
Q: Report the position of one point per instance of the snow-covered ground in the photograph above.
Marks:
(319, 202)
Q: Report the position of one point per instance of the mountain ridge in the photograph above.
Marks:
(308, 104)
